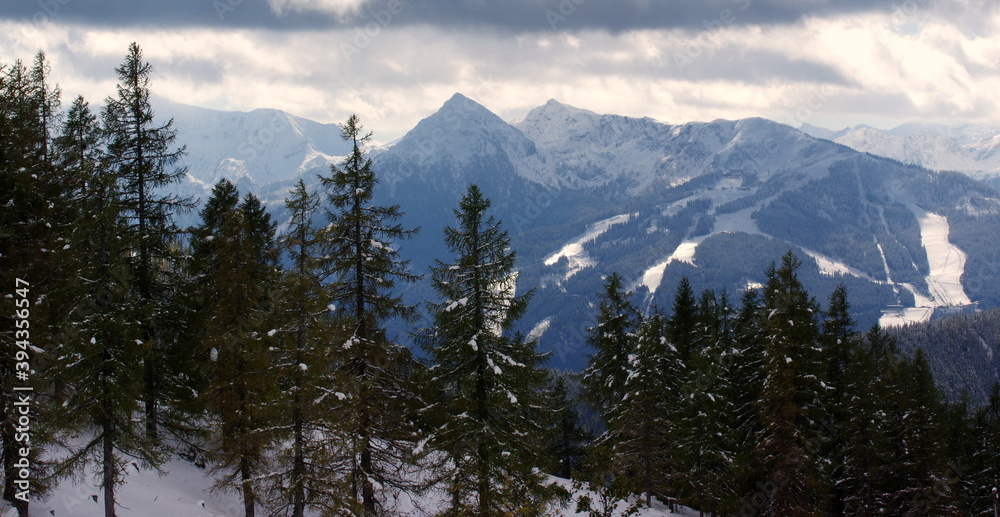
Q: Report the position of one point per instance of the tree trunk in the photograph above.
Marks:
(298, 461)
(108, 469)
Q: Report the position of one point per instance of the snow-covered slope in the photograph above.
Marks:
(182, 490)
(262, 151)
(584, 149)
(972, 149)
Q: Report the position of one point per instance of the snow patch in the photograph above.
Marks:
(539, 329)
(573, 250)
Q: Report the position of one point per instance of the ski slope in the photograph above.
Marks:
(944, 281)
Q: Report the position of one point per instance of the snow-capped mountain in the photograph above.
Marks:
(585, 150)
(263, 151)
(585, 194)
(970, 149)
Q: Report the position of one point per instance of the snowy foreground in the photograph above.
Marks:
(182, 491)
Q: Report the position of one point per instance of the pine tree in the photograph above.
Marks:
(613, 339)
(790, 393)
(489, 379)
(365, 269)
(236, 256)
(309, 472)
(145, 163)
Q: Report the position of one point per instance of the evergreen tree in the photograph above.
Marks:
(236, 256)
(706, 412)
(921, 475)
(97, 362)
(682, 320)
(790, 395)
(837, 339)
(861, 465)
(365, 268)
(613, 339)
(568, 444)
(747, 374)
(32, 237)
(639, 424)
(984, 466)
(309, 472)
(489, 379)
(144, 162)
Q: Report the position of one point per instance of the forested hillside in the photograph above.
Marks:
(962, 350)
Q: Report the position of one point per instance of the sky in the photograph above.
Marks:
(830, 63)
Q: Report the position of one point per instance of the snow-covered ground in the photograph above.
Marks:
(947, 265)
(740, 221)
(182, 491)
(946, 261)
(573, 250)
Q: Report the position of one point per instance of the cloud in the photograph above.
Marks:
(510, 16)
(861, 66)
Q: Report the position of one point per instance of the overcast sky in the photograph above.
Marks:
(830, 63)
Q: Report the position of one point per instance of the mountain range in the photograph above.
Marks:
(586, 194)
(973, 149)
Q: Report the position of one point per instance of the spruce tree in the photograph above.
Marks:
(984, 467)
(839, 344)
(145, 163)
(569, 439)
(489, 378)
(640, 426)
(921, 482)
(366, 266)
(861, 466)
(613, 339)
(707, 423)
(790, 396)
(682, 319)
(746, 372)
(33, 240)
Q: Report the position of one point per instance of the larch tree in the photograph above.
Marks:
(236, 257)
(144, 160)
(365, 268)
(307, 336)
(489, 379)
(97, 363)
